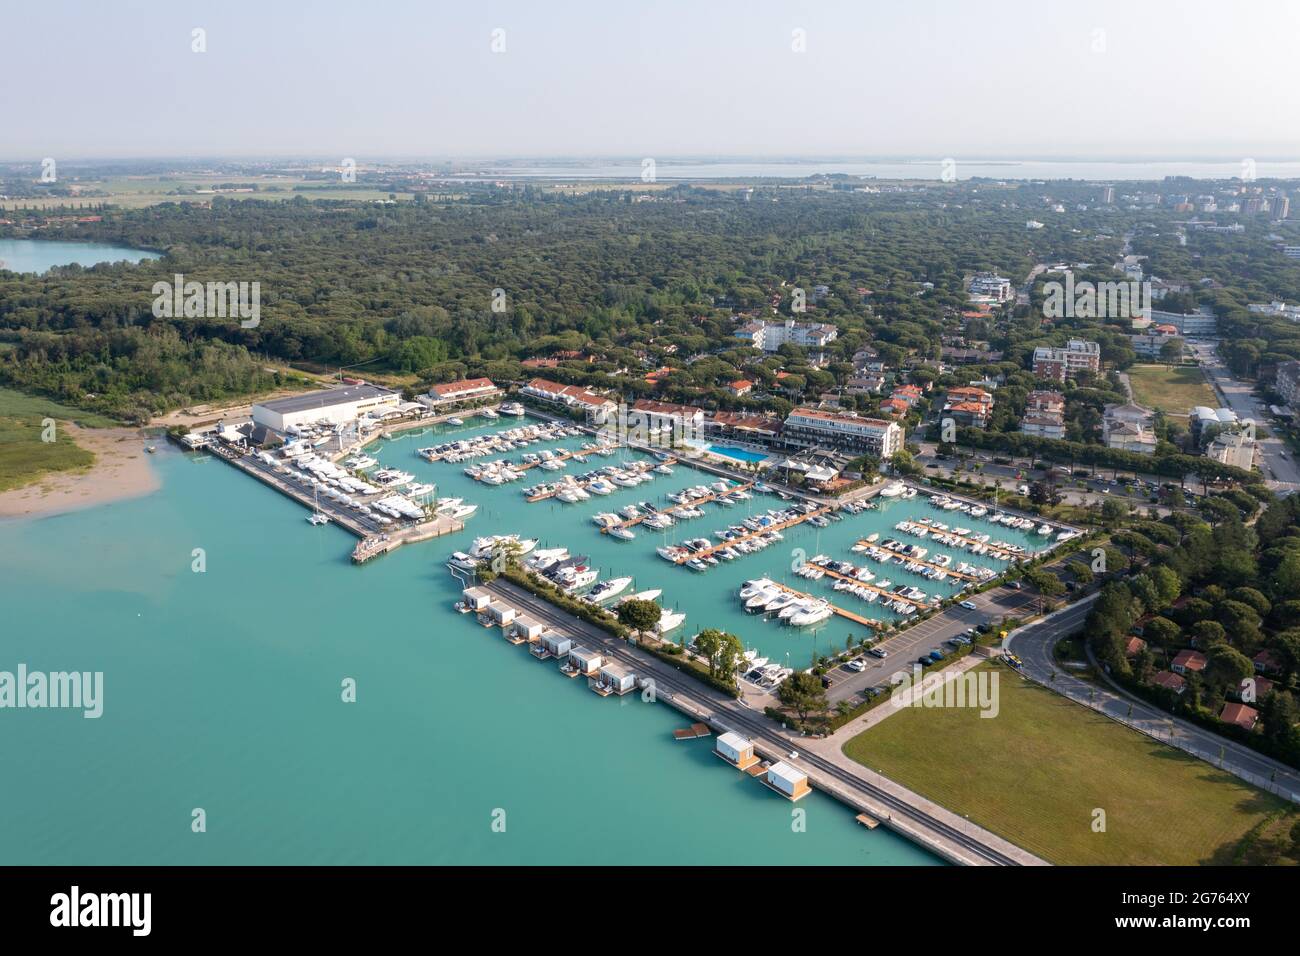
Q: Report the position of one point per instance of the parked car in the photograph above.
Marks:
(936, 655)
(878, 652)
(968, 605)
(858, 665)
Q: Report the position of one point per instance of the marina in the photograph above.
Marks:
(760, 522)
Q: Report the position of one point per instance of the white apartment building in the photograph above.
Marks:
(988, 285)
(814, 426)
(1201, 322)
(770, 336)
(597, 409)
(1078, 357)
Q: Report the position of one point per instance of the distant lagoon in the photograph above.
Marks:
(929, 168)
(40, 255)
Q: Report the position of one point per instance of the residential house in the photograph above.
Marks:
(1188, 662)
(1243, 715)
(1129, 428)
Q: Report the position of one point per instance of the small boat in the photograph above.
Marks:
(489, 413)
(650, 595)
(608, 589)
(669, 621)
(318, 518)
(623, 534)
(151, 448)
(455, 421)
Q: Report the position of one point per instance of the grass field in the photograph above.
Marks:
(24, 457)
(135, 192)
(1173, 390)
(1036, 773)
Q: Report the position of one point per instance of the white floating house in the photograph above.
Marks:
(787, 781)
(475, 599)
(502, 614)
(557, 645)
(617, 678)
(585, 661)
(525, 628)
(736, 750)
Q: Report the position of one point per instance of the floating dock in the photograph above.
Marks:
(639, 467)
(847, 615)
(732, 542)
(693, 503)
(693, 732)
(959, 575)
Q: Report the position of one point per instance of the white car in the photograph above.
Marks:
(857, 665)
(968, 605)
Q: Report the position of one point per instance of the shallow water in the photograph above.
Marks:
(222, 692)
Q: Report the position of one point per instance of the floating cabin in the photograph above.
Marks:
(736, 750)
(552, 645)
(525, 629)
(474, 599)
(501, 615)
(614, 679)
(787, 781)
(585, 661)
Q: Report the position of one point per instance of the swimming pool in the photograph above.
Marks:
(739, 454)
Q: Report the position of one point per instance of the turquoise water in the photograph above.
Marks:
(738, 454)
(708, 598)
(222, 691)
(40, 255)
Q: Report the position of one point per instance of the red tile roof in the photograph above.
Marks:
(1242, 715)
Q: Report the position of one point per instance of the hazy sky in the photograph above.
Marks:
(1166, 78)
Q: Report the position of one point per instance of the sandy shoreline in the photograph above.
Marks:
(121, 470)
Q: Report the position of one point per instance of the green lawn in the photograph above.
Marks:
(1174, 390)
(24, 457)
(1035, 773)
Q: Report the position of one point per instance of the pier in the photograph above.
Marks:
(959, 575)
(640, 467)
(732, 542)
(945, 833)
(993, 551)
(693, 503)
(375, 539)
(847, 615)
(565, 456)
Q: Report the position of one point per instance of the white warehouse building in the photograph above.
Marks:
(334, 405)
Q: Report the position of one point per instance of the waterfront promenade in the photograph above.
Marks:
(943, 832)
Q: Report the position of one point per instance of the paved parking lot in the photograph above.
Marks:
(931, 634)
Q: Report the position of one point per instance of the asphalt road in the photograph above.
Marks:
(1273, 459)
(1034, 644)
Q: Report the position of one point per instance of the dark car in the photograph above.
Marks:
(936, 655)
(924, 661)
(826, 682)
